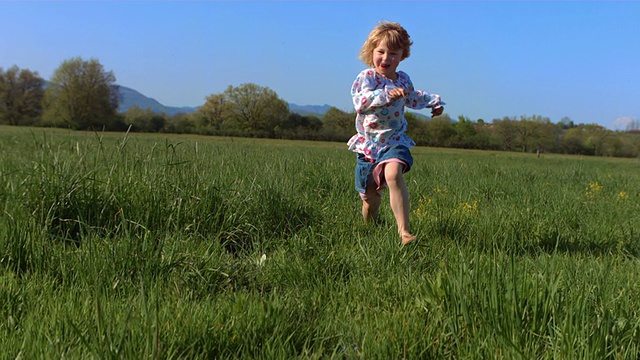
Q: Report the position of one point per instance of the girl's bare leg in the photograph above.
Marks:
(399, 199)
(371, 206)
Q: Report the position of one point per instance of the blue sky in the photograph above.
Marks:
(487, 59)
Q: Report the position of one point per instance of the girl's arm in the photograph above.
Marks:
(420, 99)
(366, 93)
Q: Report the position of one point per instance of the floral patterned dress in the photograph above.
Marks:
(380, 121)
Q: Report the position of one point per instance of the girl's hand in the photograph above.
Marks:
(397, 93)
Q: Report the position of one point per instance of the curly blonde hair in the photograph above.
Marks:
(392, 34)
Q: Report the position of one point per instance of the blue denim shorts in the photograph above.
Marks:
(364, 168)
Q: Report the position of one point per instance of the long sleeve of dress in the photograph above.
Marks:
(367, 94)
(420, 99)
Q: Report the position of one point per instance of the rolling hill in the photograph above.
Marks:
(130, 97)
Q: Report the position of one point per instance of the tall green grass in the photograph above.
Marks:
(131, 246)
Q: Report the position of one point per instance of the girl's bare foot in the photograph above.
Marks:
(407, 238)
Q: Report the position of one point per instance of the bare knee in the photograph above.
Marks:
(371, 204)
(393, 174)
(371, 199)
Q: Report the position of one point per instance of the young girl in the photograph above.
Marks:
(380, 94)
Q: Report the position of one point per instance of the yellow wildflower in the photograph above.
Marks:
(622, 196)
(467, 209)
(592, 191)
(440, 191)
(423, 207)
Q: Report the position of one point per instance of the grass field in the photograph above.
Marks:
(164, 246)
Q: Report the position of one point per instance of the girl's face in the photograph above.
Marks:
(386, 60)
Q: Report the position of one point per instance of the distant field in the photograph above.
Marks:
(165, 246)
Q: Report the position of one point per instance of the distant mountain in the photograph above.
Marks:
(313, 110)
(130, 97)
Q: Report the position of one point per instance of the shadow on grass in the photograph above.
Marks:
(266, 219)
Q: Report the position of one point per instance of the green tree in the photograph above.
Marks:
(82, 95)
(524, 133)
(338, 125)
(144, 120)
(255, 109)
(506, 132)
(566, 123)
(548, 136)
(181, 124)
(211, 117)
(417, 127)
(465, 133)
(21, 94)
(535, 133)
(297, 121)
(595, 138)
(298, 126)
(573, 141)
(484, 138)
(440, 131)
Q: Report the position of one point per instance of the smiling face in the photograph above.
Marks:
(386, 60)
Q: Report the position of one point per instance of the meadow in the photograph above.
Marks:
(135, 246)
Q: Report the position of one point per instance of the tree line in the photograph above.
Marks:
(82, 95)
